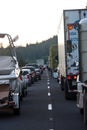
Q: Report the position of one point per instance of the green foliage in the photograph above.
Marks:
(32, 52)
(53, 54)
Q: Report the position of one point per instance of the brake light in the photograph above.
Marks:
(69, 77)
(75, 77)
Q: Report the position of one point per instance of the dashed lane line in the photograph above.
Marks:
(50, 107)
(49, 94)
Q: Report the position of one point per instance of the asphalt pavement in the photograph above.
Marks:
(44, 108)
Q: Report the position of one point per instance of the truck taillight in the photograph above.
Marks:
(69, 77)
(75, 77)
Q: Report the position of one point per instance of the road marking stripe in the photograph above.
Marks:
(48, 82)
(48, 87)
(50, 107)
(51, 119)
(49, 94)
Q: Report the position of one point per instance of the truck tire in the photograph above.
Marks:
(81, 111)
(85, 108)
(62, 84)
(39, 77)
(16, 111)
(66, 93)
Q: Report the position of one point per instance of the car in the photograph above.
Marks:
(32, 73)
(26, 79)
(37, 70)
(25, 73)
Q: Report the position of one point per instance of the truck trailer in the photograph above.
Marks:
(68, 50)
(82, 77)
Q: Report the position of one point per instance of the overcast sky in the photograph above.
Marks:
(34, 20)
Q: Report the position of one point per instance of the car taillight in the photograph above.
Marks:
(69, 77)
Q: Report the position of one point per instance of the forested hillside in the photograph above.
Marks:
(32, 52)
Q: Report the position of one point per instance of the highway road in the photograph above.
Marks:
(44, 108)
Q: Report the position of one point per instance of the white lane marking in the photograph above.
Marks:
(49, 106)
(48, 83)
(51, 129)
(48, 87)
(49, 94)
(51, 119)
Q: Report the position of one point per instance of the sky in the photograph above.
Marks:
(34, 20)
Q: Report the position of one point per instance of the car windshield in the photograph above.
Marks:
(35, 66)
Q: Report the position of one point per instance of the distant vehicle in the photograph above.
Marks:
(37, 70)
(40, 62)
(55, 73)
(32, 73)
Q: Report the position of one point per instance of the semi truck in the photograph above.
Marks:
(73, 59)
(82, 77)
(69, 50)
(10, 83)
(40, 62)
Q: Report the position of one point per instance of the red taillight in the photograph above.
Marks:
(75, 77)
(69, 77)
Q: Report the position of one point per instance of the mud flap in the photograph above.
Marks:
(85, 108)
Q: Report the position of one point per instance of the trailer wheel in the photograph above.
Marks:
(66, 91)
(17, 111)
(81, 111)
(39, 77)
(85, 108)
(62, 83)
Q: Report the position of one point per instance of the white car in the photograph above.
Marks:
(25, 75)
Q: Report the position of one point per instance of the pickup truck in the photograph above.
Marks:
(10, 83)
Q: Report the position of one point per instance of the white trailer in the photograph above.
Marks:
(68, 49)
(40, 62)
